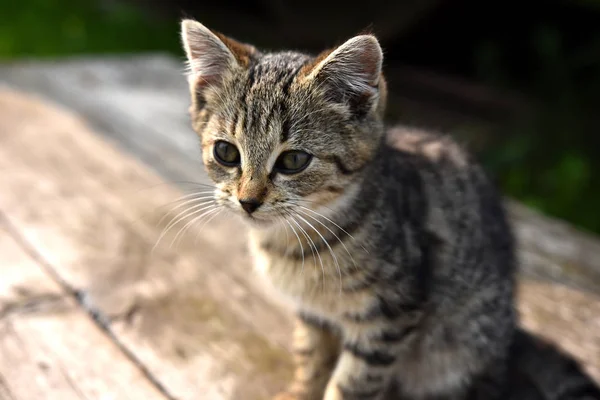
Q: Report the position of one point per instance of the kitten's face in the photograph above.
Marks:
(283, 131)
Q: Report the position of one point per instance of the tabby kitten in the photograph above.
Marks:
(394, 250)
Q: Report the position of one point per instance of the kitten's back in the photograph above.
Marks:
(428, 144)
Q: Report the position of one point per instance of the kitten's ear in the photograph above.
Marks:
(352, 74)
(211, 55)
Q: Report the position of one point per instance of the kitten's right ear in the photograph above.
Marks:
(211, 55)
(352, 75)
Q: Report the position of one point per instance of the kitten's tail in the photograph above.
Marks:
(546, 373)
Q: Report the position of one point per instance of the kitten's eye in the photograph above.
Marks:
(292, 162)
(227, 154)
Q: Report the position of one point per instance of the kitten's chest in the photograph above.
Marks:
(311, 284)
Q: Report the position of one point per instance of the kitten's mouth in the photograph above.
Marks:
(256, 221)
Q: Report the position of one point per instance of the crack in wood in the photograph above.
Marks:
(5, 392)
(83, 300)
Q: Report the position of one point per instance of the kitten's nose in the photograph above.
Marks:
(250, 205)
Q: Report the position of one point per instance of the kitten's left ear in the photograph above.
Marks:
(211, 55)
(352, 74)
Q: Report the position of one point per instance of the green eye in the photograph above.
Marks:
(292, 162)
(226, 154)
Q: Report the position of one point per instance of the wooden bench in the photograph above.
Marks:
(92, 155)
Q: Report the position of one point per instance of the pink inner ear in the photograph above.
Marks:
(352, 74)
(208, 57)
(208, 62)
(370, 60)
(355, 65)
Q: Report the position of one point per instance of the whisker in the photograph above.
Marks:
(329, 220)
(187, 196)
(337, 264)
(205, 223)
(191, 222)
(287, 237)
(313, 202)
(178, 219)
(183, 204)
(181, 198)
(299, 242)
(312, 246)
(332, 232)
(192, 183)
(210, 219)
(308, 241)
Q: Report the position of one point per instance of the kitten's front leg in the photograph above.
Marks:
(315, 351)
(364, 370)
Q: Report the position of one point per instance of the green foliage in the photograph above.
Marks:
(550, 160)
(43, 28)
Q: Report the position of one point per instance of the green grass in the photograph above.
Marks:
(47, 28)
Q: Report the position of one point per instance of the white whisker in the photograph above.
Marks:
(182, 216)
(299, 242)
(177, 183)
(179, 218)
(329, 220)
(191, 222)
(146, 214)
(205, 223)
(183, 204)
(332, 232)
(337, 264)
(311, 244)
(287, 237)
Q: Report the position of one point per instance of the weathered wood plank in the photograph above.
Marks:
(140, 102)
(553, 250)
(49, 347)
(567, 316)
(190, 314)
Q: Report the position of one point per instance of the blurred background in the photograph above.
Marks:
(518, 82)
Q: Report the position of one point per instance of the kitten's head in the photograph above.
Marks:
(281, 130)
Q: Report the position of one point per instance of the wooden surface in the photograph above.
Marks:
(184, 313)
(88, 167)
(49, 346)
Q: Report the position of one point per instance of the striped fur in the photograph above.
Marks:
(393, 250)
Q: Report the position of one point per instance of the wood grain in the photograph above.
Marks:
(191, 313)
(49, 347)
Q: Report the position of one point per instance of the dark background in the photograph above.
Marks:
(517, 81)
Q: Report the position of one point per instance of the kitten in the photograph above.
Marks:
(393, 250)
